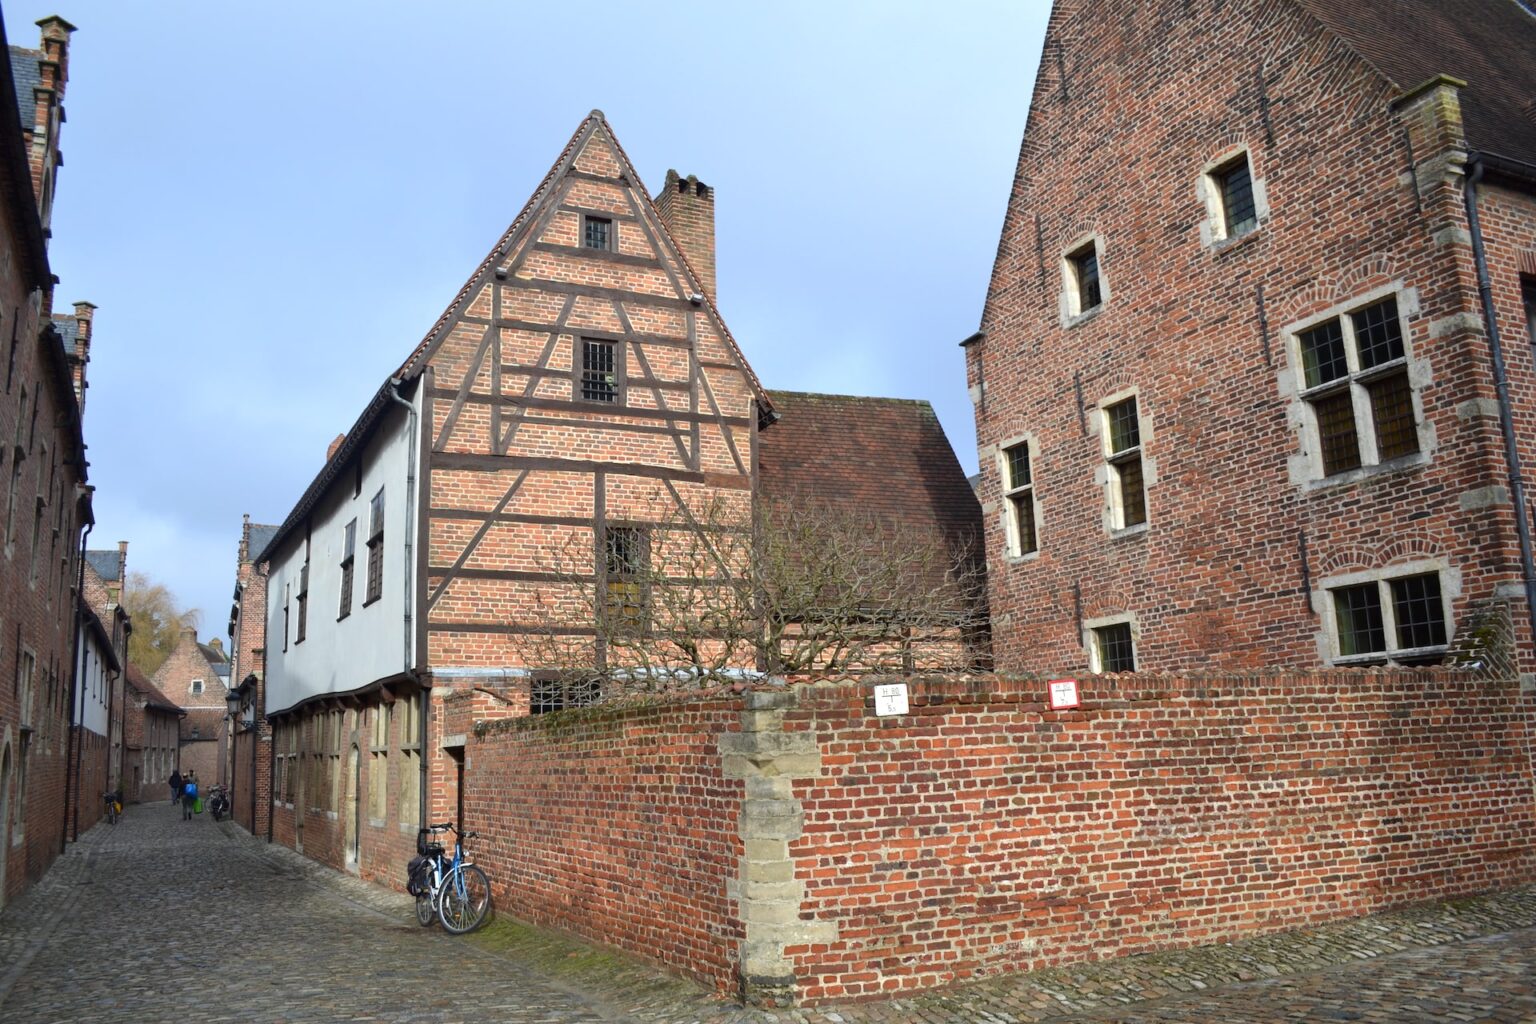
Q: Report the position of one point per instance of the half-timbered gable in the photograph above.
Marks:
(581, 384)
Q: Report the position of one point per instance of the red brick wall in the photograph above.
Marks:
(615, 823)
(984, 833)
(1216, 579)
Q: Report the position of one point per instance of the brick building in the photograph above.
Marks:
(251, 733)
(151, 739)
(581, 393)
(1240, 402)
(193, 678)
(43, 468)
(101, 651)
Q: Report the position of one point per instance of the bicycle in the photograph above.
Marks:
(113, 807)
(451, 890)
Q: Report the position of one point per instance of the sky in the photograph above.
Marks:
(271, 203)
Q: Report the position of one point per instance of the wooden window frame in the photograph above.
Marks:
(579, 371)
(611, 233)
(348, 565)
(375, 587)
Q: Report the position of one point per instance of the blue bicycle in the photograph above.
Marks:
(450, 890)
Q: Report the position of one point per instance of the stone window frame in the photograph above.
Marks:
(1328, 636)
(1012, 539)
(1214, 233)
(1070, 299)
(1106, 474)
(380, 727)
(195, 687)
(1307, 468)
(1091, 638)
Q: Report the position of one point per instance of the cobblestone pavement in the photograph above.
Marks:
(162, 920)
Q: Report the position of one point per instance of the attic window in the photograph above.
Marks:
(597, 233)
(197, 686)
(1239, 213)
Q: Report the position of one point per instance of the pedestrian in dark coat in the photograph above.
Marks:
(175, 785)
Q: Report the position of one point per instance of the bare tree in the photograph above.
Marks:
(157, 617)
(706, 594)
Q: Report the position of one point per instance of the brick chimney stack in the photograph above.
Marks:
(330, 451)
(687, 208)
(84, 313)
(47, 104)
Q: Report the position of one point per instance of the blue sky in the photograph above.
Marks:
(271, 203)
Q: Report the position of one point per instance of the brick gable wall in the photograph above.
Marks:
(1240, 540)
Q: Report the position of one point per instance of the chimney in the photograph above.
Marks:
(115, 590)
(217, 644)
(687, 208)
(245, 538)
(84, 314)
(47, 104)
(330, 453)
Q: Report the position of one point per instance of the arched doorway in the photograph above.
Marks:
(350, 808)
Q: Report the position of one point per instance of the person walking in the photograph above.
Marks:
(175, 785)
(188, 795)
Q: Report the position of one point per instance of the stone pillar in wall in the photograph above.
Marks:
(768, 896)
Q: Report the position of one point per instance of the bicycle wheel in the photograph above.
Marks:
(426, 913)
(465, 900)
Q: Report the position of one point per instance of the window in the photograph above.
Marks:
(1019, 492)
(303, 597)
(1085, 289)
(1114, 648)
(599, 371)
(1402, 619)
(1528, 293)
(410, 760)
(375, 549)
(628, 558)
(1122, 437)
(378, 764)
(197, 687)
(348, 549)
(597, 233)
(1354, 371)
(1234, 184)
(555, 693)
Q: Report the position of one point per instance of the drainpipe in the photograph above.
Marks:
(1501, 385)
(410, 520)
(72, 750)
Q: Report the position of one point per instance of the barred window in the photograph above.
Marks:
(1019, 491)
(599, 371)
(1114, 648)
(627, 559)
(1354, 378)
(597, 232)
(1122, 436)
(1401, 619)
(548, 694)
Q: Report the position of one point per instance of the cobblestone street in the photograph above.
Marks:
(161, 920)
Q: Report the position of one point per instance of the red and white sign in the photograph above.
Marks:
(1063, 694)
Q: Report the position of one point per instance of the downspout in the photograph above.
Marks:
(76, 697)
(1501, 385)
(410, 521)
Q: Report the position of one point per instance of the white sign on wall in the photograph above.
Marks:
(1063, 694)
(891, 699)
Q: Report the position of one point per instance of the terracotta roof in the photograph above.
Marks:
(136, 678)
(886, 456)
(1489, 44)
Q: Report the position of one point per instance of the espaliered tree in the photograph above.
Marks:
(706, 595)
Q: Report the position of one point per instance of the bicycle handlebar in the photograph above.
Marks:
(447, 826)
